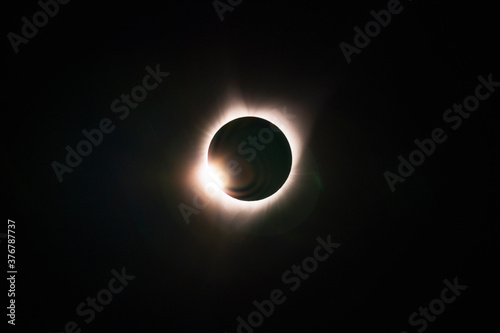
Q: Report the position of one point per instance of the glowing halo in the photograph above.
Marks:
(210, 181)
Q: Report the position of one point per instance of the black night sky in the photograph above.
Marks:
(117, 212)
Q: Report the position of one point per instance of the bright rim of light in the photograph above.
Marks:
(212, 184)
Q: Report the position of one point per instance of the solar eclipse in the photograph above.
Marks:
(220, 160)
(253, 172)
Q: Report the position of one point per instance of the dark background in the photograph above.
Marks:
(117, 208)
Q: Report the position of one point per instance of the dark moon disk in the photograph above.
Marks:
(252, 158)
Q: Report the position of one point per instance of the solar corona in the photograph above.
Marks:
(248, 159)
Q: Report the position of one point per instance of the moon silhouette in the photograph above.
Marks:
(252, 156)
